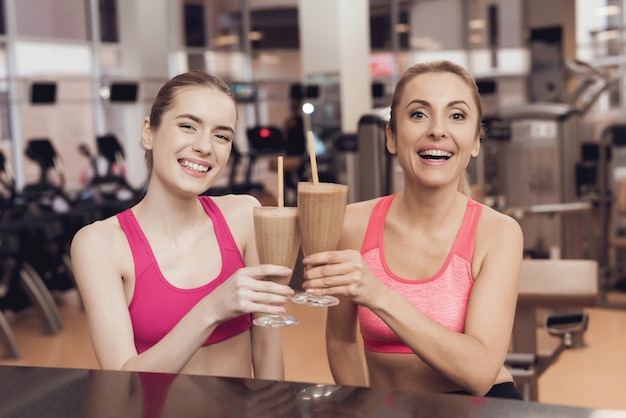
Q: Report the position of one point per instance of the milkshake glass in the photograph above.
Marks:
(277, 237)
(321, 208)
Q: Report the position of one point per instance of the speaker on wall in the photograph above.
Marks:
(43, 92)
(124, 92)
(297, 91)
(378, 89)
(312, 91)
(487, 86)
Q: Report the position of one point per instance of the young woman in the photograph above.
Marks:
(170, 284)
(430, 275)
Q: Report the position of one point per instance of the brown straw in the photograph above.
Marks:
(314, 174)
(281, 196)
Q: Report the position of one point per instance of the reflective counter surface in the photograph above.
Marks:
(52, 392)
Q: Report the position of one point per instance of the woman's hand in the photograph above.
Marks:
(341, 273)
(246, 291)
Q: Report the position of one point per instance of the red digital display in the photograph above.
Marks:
(264, 133)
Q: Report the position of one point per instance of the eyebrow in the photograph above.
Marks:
(189, 116)
(427, 103)
(200, 121)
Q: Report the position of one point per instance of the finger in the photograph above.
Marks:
(328, 270)
(319, 282)
(269, 293)
(332, 275)
(342, 290)
(273, 308)
(332, 257)
(263, 270)
(258, 293)
(326, 257)
(263, 286)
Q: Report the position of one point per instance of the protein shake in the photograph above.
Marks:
(277, 237)
(321, 208)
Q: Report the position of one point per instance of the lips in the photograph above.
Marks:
(435, 154)
(199, 168)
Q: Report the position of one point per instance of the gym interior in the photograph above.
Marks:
(78, 76)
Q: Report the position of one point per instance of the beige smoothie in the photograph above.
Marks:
(321, 208)
(277, 237)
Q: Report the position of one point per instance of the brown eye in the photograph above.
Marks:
(224, 138)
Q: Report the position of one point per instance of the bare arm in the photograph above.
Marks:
(473, 359)
(342, 340)
(342, 345)
(267, 354)
(98, 254)
(97, 265)
(267, 351)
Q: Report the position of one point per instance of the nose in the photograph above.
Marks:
(437, 128)
(203, 144)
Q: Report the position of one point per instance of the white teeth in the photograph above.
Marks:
(436, 153)
(194, 166)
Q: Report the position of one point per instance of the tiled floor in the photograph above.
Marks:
(593, 376)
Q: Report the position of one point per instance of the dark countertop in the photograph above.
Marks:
(52, 392)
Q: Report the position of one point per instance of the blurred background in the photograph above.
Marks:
(77, 77)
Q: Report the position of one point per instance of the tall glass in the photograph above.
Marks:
(321, 208)
(277, 237)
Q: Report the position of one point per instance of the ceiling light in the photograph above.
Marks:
(607, 35)
(608, 11)
(255, 35)
(476, 38)
(402, 28)
(225, 40)
(476, 24)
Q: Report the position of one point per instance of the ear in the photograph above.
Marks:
(146, 134)
(392, 142)
(476, 147)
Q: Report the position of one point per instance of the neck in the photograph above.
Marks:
(168, 215)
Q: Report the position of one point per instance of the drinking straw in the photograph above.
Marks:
(281, 196)
(312, 158)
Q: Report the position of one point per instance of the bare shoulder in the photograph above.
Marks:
(359, 212)
(355, 223)
(98, 237)
(237, 210)
(492, 221)
(362, 208)
(100, 252)
(236, 204)
(498, 233)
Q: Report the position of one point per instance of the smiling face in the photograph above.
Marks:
(435, 129)
(191, 145)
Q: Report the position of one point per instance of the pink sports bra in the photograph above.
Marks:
(443, 297)
(157, 306)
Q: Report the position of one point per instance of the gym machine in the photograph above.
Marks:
(537, 167)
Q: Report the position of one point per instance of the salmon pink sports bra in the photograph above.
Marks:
(443, 297)
(157, 306)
